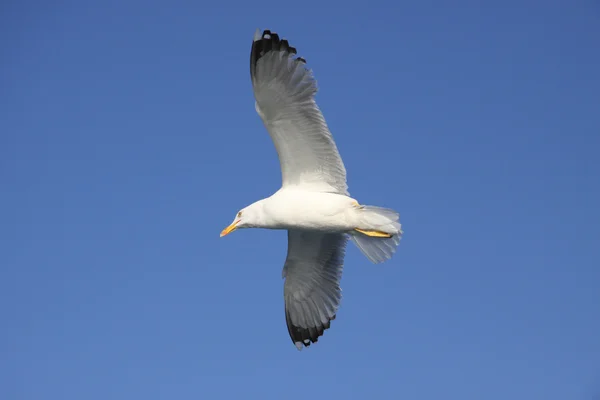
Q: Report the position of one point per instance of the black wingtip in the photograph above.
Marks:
(269, 41)
(306, 336)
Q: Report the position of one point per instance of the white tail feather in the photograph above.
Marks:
(378, 249)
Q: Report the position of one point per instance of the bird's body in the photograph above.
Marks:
(293, 208)
(313, 204)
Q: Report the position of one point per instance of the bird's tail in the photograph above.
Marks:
(378, 233)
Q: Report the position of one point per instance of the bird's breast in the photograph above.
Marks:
(295, 209)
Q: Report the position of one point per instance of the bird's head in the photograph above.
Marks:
(249, 217)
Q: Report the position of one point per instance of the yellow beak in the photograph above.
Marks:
(230, 228)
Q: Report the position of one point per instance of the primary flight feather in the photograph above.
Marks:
(313, 203)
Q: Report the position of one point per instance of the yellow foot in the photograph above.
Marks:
(357, 205)
(378, 234)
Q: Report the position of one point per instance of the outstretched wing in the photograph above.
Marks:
(312, 272)
(284, 91)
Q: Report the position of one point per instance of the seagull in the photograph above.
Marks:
(313, 203)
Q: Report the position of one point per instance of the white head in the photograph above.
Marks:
(249, 217)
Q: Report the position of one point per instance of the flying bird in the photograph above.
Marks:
(313, 203)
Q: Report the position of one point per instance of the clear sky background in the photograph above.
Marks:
(129, 139)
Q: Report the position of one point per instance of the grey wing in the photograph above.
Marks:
(284, 91)
(312, 293)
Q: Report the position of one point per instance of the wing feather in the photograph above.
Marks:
(312, 293)
(284, 91)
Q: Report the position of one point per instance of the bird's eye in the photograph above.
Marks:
(239, 214)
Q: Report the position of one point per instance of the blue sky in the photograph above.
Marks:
(129, 139)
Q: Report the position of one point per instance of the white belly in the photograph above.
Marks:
(296, 209)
